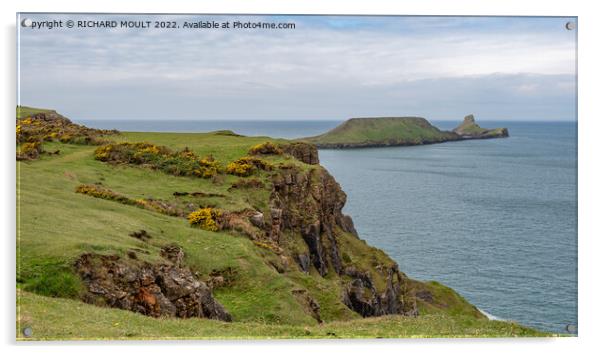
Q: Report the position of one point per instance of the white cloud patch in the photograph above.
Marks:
(322, 69)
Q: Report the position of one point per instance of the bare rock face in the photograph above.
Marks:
(362, 296)
(308, 204)
(303, 152)
(166, 289)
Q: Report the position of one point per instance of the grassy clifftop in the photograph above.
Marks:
(127, 201)
(366, 132)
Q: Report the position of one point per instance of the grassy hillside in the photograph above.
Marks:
(382, 131)
(48, 319)
(261, 287)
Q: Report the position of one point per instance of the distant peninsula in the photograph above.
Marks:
(399, 131)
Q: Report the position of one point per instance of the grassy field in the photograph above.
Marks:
(47, 319)
(57, 225)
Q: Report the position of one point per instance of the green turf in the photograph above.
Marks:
(57, 319)
(394, 130)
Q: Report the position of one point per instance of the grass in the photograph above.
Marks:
(56, 225)
(401, 130)
(24, 111)
(47, 317)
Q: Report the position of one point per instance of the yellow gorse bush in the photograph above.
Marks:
(205, 218)
(267, 148)
(245, 166)
(241, 169)
(178, 163)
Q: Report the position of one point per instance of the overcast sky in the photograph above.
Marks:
(326, 68)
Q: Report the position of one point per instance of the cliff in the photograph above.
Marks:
(208, 225)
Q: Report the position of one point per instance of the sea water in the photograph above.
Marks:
(495, 219)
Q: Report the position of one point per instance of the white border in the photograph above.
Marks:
(589, 165)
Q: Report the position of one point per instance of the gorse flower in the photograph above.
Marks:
(267, 148)
(205, 218)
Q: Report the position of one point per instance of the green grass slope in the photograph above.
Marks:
(64, 319)
(360, 132)
(55, 226)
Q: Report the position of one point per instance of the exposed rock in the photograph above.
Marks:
(346, 224)
(425, 296)
(276, 224)
(313, 239)
(257, 220)
(308, 302)
(469, 129)
(173, 253)
(303, 152)
(303, 261)
(310, 203)
(150, 289)
(362, 297)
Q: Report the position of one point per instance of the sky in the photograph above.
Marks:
(327, 67)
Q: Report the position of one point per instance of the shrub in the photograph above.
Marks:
(205, 218)
(29, 151)
(103, 193)
(241, 169)
(245, 166)
(179, 163)
(158, 206)
(267, 148)
(51, 126)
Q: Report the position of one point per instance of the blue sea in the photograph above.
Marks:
(494, 219)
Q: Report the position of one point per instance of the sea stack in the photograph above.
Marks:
(469, 129)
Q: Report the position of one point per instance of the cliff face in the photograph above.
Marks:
(307, 205)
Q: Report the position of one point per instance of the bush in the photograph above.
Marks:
(179, 163)
(158, 206)
(245, 166)
(241, 169)
(267, 148)
(29, 151)
(205, 218)
(53, 127)
(103, 193)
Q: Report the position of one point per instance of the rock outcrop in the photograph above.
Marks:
(469, 129)
(303, 152)
(308, 204)
(164, 289)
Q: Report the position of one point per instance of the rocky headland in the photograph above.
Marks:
(398, 131)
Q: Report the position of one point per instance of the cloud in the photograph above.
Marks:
(328, 67)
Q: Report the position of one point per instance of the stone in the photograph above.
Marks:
(151, 289)
(257, 220)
